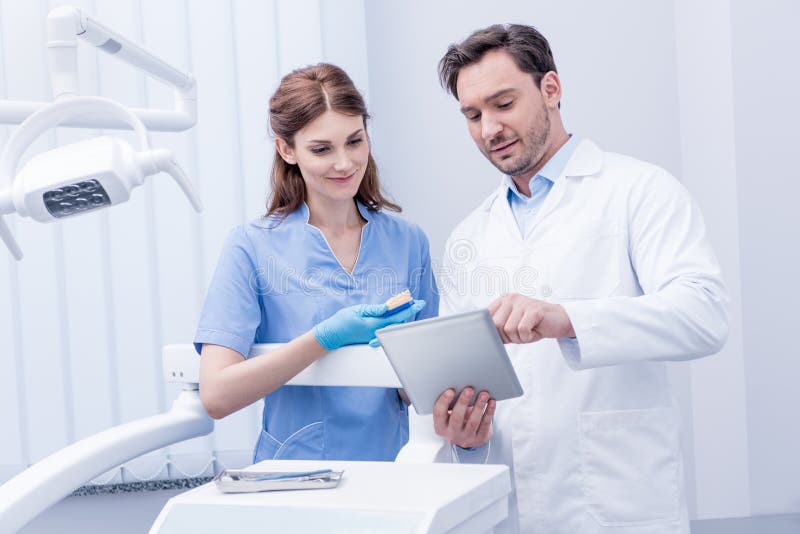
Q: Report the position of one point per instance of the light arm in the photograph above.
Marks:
(135, 55)
(64, 25)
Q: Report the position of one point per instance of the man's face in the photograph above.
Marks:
(507, 115)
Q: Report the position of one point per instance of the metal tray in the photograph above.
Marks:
(244, 481)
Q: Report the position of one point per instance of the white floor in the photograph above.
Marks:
(767, 524)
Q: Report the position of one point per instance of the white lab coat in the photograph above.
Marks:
(622, 246)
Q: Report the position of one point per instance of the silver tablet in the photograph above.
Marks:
(456, 351)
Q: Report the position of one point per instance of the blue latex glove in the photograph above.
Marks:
(357, 324)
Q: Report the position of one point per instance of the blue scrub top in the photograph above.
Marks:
(274, 281)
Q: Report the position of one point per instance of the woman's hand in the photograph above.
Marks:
(357, 324)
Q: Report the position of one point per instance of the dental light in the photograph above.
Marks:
(79, 177)
(88, 175)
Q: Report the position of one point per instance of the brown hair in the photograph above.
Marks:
(528, 48)
(302, 96)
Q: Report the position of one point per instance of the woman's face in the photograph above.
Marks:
(332, 152)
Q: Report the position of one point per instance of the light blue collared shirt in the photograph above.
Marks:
(525, 208)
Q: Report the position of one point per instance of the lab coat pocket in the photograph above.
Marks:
(306, 443)
(585, 263)
(629, 466)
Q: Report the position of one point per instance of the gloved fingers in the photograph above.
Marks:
(374, 343)
(372, 310)
(406, 314)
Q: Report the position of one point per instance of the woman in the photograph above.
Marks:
(311, 274)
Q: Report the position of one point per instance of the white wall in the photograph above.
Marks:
(766, 112)
(718, 409)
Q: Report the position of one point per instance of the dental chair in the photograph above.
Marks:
(416, 493)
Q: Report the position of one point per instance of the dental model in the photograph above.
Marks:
(401, 301)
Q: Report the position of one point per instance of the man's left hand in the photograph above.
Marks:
(466, 426)
(521, 319)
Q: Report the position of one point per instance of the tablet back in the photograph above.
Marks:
(456, 351)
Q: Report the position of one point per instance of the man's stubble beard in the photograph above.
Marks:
(536, 142)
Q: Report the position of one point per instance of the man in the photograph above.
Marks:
(596, 269)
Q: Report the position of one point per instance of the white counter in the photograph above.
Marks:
(372, 497)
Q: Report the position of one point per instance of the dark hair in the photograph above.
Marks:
(302, 96)
(528, 48)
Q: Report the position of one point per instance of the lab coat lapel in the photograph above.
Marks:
(585, 161)
(500, 211)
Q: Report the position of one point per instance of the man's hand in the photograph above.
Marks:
(464, 425)
(521, 319)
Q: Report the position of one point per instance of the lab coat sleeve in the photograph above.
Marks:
(683, 312)
(474, 455)
(423, 283)
(231, 312)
